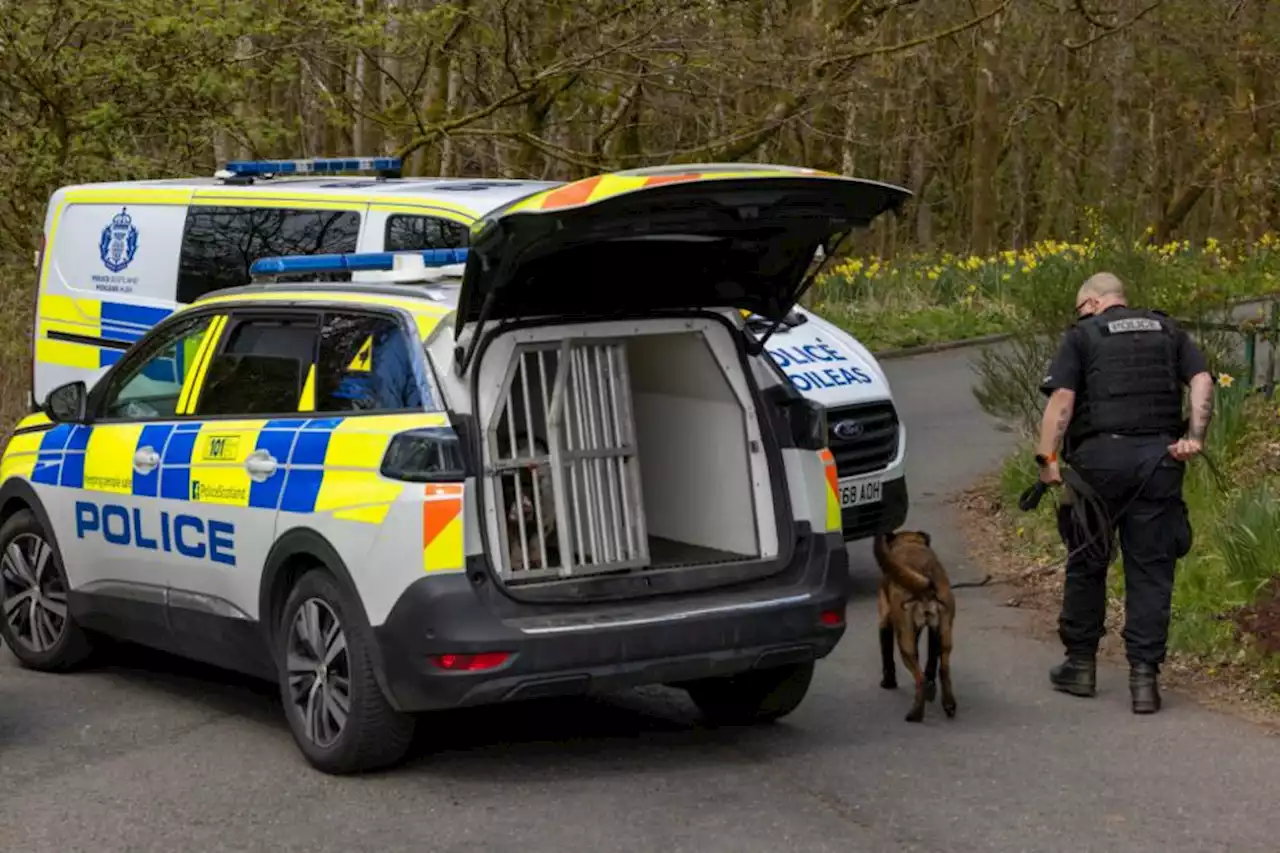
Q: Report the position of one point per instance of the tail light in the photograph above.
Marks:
(425, 455)
(470, 663)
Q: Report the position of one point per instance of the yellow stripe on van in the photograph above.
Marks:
(276, 200)
(108, 459)
(73, 316)
(128, 195)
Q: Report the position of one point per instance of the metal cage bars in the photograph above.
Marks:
(589, 456)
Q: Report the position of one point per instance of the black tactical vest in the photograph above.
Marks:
(1130, 374)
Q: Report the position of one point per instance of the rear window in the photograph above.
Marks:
(365, 364)
(219, 244)
(413, 233)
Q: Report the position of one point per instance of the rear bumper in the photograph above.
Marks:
(589, 649)
(884, 516)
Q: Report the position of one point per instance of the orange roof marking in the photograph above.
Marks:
(576, 193)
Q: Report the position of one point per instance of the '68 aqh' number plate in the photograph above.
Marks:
(859, 492)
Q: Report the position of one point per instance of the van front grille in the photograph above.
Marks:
(863, 438)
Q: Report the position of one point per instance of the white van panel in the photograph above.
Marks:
(118, 249)
(110, 273)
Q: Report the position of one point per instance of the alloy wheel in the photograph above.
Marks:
(319, 672)
(33, 594)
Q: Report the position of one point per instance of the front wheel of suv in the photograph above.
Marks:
(757, 696)
(35, 621)
(338, 714)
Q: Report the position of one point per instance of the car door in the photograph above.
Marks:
(117, 533)
(232, 470)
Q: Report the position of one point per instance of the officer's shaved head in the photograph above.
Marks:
(1103, 289)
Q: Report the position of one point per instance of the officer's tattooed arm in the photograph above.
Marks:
(1201, 406)
(1053, 424)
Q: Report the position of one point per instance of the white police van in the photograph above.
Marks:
(573, 472)
(119, 257)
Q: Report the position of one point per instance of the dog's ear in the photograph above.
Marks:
(888, 537)
(927, 540)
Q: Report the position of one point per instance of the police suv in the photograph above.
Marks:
(119, 257)
(574, 472)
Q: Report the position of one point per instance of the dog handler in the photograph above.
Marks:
(1115, 403)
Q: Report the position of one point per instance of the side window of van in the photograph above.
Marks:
(219, 244)
(411, 233)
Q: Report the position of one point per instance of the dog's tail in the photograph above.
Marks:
(899, 572)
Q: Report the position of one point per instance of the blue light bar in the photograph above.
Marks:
(321, 166)
(354, 262)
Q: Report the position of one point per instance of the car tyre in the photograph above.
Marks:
(337, 713)
(756, 696)
(35, 620)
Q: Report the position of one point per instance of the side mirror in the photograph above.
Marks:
(67, 403)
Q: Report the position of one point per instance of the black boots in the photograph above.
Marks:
(1144, 688)
(1077, 675)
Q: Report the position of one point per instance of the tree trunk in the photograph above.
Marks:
(986, 141)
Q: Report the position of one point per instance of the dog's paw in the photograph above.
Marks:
(915, 715)
(889, 683)
(949, 705)
(930, 691)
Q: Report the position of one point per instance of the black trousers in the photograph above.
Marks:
(1154, 532)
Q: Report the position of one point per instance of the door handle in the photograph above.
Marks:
(145, 459)
(261, 465)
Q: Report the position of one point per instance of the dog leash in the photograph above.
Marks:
(1032, 496)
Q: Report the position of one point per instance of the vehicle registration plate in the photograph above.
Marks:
(859, 493)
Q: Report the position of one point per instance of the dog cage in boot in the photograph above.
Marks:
(563, 463)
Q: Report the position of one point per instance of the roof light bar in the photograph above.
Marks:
(353, 262)
(319, 166)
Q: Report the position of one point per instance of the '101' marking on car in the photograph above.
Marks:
(119, 525)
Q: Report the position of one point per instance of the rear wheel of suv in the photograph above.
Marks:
(34, 619)
(757, 696)
(338, 714)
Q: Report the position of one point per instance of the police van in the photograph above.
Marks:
(575, 472)
(119, 257)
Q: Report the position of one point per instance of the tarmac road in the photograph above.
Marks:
(150, 755)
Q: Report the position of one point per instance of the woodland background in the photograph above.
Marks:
(1006, 118)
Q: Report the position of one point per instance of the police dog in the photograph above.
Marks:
(524, 506)
(915, 595)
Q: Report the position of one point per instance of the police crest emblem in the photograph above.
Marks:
(119, 241)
